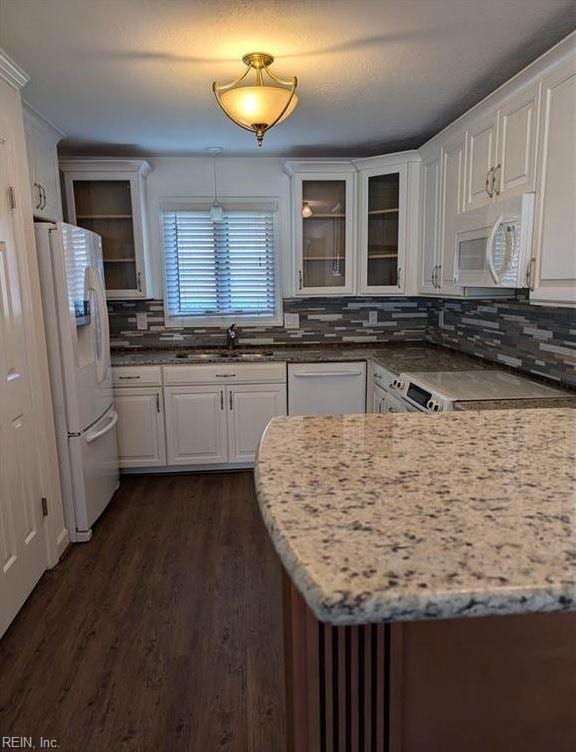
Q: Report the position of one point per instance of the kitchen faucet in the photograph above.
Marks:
(232, 337)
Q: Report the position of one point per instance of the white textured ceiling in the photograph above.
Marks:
(134, 76)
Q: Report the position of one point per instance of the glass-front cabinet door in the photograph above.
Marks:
(107, 197)
(382, 231)
(324, 233)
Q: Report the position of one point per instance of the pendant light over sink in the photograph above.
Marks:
(216, 212)
(257, 107)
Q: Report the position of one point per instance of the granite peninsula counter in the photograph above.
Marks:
(402, 517)
(391, 529)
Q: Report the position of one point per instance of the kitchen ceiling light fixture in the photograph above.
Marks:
(216, 212)
(257, 108)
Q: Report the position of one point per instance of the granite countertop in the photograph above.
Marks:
(406, 517)
(395, 357)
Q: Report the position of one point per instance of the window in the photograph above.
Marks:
(219, 270)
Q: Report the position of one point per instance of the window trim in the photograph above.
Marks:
(229, 203)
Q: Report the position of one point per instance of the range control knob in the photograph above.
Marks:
(397, 384)
(433, 406)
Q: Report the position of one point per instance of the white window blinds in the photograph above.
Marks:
(219, 268)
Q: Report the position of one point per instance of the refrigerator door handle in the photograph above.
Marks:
(93, 436)
(93, 283)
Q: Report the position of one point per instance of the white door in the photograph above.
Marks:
(250, 408)
(430, 227)
(141, 427)
(555, 230)
(515, 171)
(22, 544)
(196, 425)
(452, 195)
(481, 160)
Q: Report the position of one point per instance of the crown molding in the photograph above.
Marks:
(11, 72)
(104, 164)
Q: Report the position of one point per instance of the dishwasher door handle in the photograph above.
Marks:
(312, 375)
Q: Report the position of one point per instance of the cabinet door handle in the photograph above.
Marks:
(158, 403)
(530, 273)
(433, 273)
(496, 180)
(490, 182)
(222, 401)
(138, 282)
(230, 400)
(399, 277)
(300, 279)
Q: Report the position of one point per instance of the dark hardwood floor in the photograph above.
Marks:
(162, 634)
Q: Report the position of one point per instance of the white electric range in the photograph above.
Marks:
(438, 391)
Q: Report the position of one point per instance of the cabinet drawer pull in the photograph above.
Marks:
(490, 182)
(496, 180)
(127, 378)
(225, 375)
(530, 274)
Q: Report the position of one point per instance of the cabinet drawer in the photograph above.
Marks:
(228, 373)
(136, 376)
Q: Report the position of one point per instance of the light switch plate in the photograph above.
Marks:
(373, 317)
(142, 320)
(291, 321)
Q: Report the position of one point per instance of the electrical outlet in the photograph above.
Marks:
(291, 321)
(142, 320)
(373, 317)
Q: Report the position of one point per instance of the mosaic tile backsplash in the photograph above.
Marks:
(329, 320)
(535, 339)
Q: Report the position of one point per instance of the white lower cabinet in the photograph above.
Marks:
(250, 408)
(141, 427)
(196, 425)
(215, 425)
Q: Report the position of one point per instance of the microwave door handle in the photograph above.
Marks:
(490, 248)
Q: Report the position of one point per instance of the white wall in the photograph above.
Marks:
(237, 177)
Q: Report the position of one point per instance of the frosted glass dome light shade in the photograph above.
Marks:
(251, 105)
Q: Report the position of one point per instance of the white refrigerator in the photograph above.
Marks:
(76, 325)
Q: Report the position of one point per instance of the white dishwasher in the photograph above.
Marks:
(326, 388)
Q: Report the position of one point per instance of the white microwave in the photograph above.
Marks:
(494, 244)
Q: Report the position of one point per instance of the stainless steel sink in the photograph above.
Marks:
(229, 355)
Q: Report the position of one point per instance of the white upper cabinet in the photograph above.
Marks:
(553, 273)
(501, 150)
(382, 230)
(481, 144)
(107, 196)
(323, 198)
(41, 142)
(452, 192)
(429, 266)
(515, 170)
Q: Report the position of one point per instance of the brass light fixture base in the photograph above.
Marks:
(258, 60)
